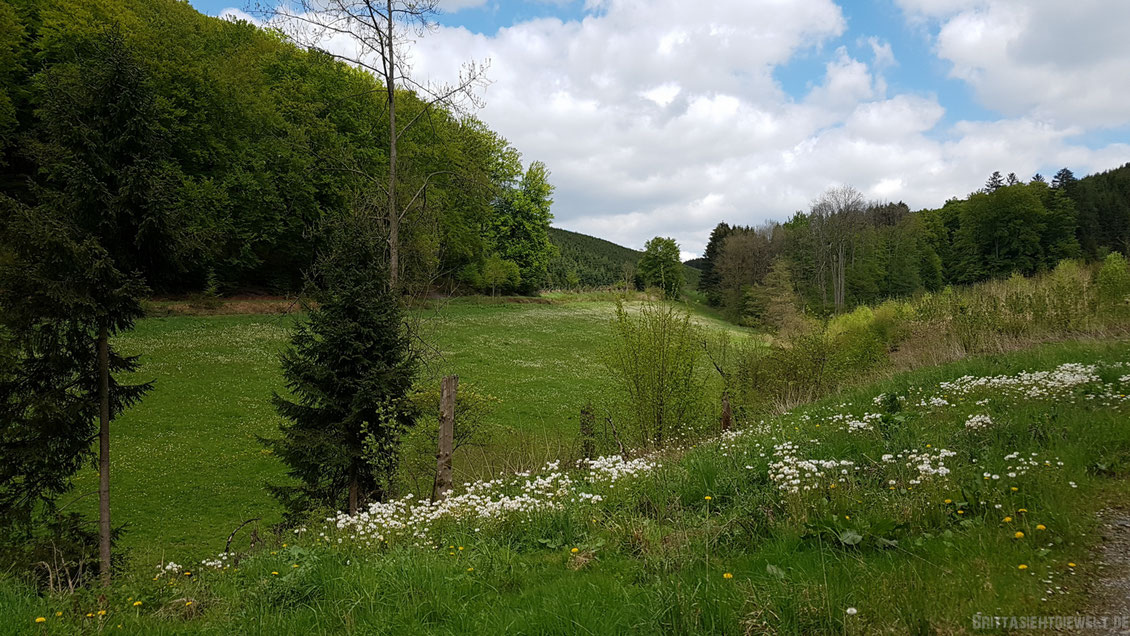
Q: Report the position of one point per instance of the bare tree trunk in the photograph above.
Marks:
(588, 440)
(393, 214)
(354, 487)
(727, 415)
(104, 455)
(446, 437)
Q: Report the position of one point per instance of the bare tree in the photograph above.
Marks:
(836, 214)
(375, 35)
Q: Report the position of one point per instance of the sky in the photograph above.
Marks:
(665, 117)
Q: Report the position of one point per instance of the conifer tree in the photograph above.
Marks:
(349, 370)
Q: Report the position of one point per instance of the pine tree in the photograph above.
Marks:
(710, 282)
(995, 181)
(1012, 179)
(349, 370)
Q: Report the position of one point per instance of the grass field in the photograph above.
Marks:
(187, 464)
(756, 532)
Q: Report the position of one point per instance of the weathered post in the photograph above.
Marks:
(588, 431)
(727, 415)
(446, 437)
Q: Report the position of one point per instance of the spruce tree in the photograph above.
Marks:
(349, 370)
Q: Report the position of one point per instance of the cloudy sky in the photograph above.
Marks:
(664, 117)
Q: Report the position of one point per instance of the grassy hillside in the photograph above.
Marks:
(187, 463)
(906, 506)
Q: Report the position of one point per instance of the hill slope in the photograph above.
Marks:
(592, 262)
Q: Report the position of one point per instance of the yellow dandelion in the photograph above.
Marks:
(1019, 535)
(832, 486)
(41, 620)
(470, 569)
(294, 566)
(848, 517)
(707, 497)
(1070, 564)
(1007, 519)
(58, 613)
(727, 575)
(949, 501)
(188, 573)
(274, 573)
(101, 612)
(1014, 488)
(450, 554)
(1022, 567)
(575, 550)
(960, 512)
(460, 547)
(1040, 526)
(88, 614)
(187, 603)
(450, 547)
(136, 603)
(284, 545)
(1022, 510)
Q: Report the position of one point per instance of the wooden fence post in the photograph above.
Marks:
(446, 437)
(727, 416)
(588, 432)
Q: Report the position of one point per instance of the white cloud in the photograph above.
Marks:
(664, 117)
(1066, 63)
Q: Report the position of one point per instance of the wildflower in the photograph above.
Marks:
(58, 613)
(188, 573)
(949, 501)
(460, 547)
(707, 497)
(1070, 564)
(727, 575)
(1022, 510)
(1019, 535)
(575, 550)
(136, 603)
(88, 614)
(187, 603)
(41, 620)
(1007, 519)
(1022, 567)
(1014, 489)
(1040, 526)
(470, 569)
(851, 611)
(101, 612)
(274, 573)
(294, 566)
(960, 512)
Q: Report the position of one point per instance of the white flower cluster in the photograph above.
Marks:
(794, 474)
(978, 422)
(611, 468)
(926, 463)
(852, 424)
(168, 568)
(220, 562)
(495, 499)
(1030, 385)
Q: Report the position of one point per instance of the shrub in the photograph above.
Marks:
(1113, 282)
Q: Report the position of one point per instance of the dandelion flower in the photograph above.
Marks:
(101, 612)
(136, 603)
(1007, 519)
(1040, 526)
(575, 550)
(460, 547)
(1019, 535)
(727, 575)
(60, 613)
(470, 569)
(1070, 564)
(294, 566)
(949, 501)
(1022, 567)
(274, 573)
(187, 603)
(41, 620)
(1022, 510)
(707, 497)
(960, 512)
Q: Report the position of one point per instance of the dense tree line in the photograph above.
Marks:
(255, 141)
(846, 251)
(587, 261)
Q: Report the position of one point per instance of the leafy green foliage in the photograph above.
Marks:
(661, 267)
(595, 262)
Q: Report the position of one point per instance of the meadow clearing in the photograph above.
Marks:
(189, 467)
(909, 505)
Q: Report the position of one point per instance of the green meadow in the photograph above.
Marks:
(187, 464)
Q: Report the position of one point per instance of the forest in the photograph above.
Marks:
(242, 144)
(846, 251)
